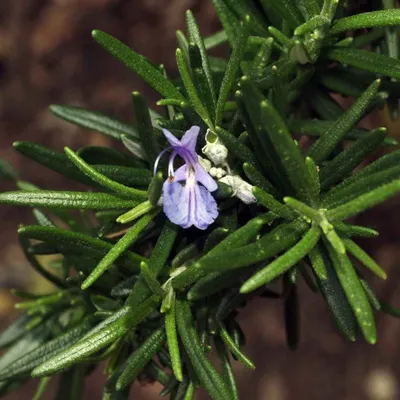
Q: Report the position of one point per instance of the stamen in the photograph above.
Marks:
(159, 158)
(171, 172)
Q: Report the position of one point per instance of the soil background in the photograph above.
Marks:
(47, 56)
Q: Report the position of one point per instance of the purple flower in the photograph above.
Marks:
(186, 192)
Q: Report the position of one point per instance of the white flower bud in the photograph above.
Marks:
(241, 189)
(214, 149)
(217, 172)
(206, 164)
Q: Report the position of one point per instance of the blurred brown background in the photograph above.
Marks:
(47, 56)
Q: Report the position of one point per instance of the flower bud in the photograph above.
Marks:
(241, 189)
(214, 149)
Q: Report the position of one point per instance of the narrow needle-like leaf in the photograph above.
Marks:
(103, 180)
(327, 143)
(364, 201)
(173, 343)
(232, 71)
(284, 262)
(364, 258)
(123, 244)
(139, 64)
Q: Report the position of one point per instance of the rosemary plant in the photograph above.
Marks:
(156, 259)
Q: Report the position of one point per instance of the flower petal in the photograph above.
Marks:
(181, 174)
(204, 178)
(175, 203)
(206, 210)
(173, 141)
(189, 139)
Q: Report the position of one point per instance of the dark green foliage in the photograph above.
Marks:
(151, 298)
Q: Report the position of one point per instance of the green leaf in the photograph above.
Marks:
(185, 255)
(324, 105)
(232, 71)
(151, 280)
(78, 243)
(139, 64)
(289, 154)
(214, 238)
(234, 349)
(364, 201)
(344, 193)
(257, 179)
(324, 146)
(135, 213)
(386, 162)
(280, 69)
(145, 128)
(96, 339)
(41, 388)
(337, 302)
(173, 343)
(239, 150)
(102, 180)
(366, 20)
(94, 120)
(287, 10)
(313, 170)
(364, 258)
(389, 309)
(125, 175)
(195, 38)
(258, 24)
(215, 40)
(318, 21)
(309, 8)
(279, 239)
(228, 19)
(106, 155)
(261, 60)
(227, 370)
(66, 200)
(32, 340)
(156, 262)
(355, 230)
(215, 282)
(284, 262)
(373, 300)
(25, 364)
(317, 263)
(355, 294)
(14, 330)
(344, 163)
(54, 160)
(318, 128)
(268, 201)
(367, 60)
(200, 80)
(329, 8)
(155, 188)
(205, 371)
(280, 37)
(134, 147)
(7, 171)
(119, 248)
(191, 89)
(238, 238)
(36, 265)
(138, 360)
